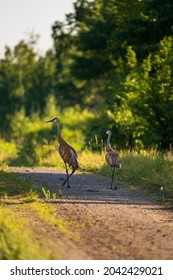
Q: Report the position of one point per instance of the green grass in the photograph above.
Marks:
(149, 171)
(11, 185)
(16, 239)
(8, 151)
(47, 212)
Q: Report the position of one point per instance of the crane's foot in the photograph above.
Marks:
(113, 188)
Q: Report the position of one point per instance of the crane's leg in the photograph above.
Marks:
(113, 174)
(68, 176)
(115, 187)
(113, 179)
(66, 180)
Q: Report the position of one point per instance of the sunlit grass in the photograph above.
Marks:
(8, 151)
(16, 239)
(91, 162)
(149, 171)
(148, 168)
(48, 213)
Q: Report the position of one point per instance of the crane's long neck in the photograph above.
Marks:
(108, 145)
(58, 131)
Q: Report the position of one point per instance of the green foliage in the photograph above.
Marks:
(111, 58)
(26, 80)
(143, 112)
(8, 151)
(35, 142)
(48, 195)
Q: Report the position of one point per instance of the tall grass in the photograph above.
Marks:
(8, 151)
(150, 171)
(148, 168)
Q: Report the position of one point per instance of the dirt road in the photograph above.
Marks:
(115, 224)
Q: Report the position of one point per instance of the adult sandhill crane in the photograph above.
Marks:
(67, 153)
(112, 158)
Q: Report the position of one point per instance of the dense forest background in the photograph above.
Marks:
(112, 60)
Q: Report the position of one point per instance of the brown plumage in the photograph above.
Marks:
(67, 153)
(112, 158)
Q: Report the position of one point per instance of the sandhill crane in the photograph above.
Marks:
(67, 153)
(112, 158)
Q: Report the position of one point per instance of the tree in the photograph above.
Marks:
(10, 100)
(26, 80)
(160, 95)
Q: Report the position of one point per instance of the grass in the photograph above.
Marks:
(16, 238)
(8, 151)
(13, 186)
(149, 171)
(47, 212)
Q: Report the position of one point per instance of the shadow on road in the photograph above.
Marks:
(85, 188)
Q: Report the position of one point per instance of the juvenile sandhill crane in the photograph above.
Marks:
(67, 153)
(112, 158)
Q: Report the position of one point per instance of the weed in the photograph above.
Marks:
(46, 193)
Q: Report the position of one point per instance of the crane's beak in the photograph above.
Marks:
(49, 121)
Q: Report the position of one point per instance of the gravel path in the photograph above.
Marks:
(119, 224)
